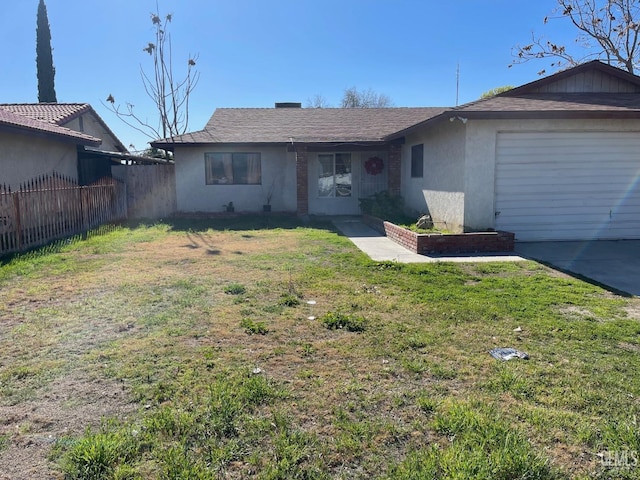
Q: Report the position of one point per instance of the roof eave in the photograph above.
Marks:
(406, 131)
(95, 142)
(545, 114)
(313, 143)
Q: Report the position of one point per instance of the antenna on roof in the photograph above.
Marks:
(457, 83)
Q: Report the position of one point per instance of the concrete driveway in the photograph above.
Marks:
(614, 264)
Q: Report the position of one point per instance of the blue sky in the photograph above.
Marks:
(253, 53)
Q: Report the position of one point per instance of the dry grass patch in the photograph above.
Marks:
(197, 341)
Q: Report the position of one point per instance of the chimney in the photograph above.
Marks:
(288, 105)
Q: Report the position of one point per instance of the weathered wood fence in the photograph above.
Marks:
(151, 189)
(53, 207)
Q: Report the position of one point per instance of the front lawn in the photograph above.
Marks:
(189, 350)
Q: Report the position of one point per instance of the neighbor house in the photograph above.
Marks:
(555, 159)
(32, 147)
(67, 138)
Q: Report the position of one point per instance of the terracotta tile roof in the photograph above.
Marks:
(58, 113)
(310, 125)
(14, 120)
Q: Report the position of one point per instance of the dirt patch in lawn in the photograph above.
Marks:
(53, 327)
(65, 408)
(104, 330)
(633, 309)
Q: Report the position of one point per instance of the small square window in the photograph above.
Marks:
(417, 161)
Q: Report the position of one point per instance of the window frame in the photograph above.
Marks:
(417, 164)
(334, 189)
(232, 169)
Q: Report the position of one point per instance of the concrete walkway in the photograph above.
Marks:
(381, 249)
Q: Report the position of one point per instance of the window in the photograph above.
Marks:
(417, 161)
(232, 168)
(334, 175)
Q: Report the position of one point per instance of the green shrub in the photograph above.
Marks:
(235, 289)
(349, 322)
(384, 205)
(251, 327)
(289, 300)
(100, 455)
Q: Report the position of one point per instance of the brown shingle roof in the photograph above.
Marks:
(310, 125)
(541, 105)
(13, 120)
(556, 102)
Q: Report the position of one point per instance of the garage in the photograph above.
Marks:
(568, 185)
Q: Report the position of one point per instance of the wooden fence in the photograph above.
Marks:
(151, 189)
(54, 207)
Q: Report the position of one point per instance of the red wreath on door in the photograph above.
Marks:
(374, 166)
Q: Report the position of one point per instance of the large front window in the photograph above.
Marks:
(334, 175)
(232, 168)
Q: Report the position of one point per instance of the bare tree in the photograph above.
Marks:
(169, 93)
(353, 98)
(317, 101)
(606, 30)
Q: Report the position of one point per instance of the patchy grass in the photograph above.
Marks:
(347, 321)
(150, 322)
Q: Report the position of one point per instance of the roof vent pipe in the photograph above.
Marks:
(288, 105)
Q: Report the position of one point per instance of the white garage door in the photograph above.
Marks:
(568, 186)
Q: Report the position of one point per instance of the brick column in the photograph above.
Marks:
(395, 171)
(302, 180)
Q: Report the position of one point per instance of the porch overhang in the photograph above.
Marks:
(373, 146)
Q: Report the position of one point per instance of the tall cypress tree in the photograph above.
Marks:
(44, 57)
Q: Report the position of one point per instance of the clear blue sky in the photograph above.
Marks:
(253, 53)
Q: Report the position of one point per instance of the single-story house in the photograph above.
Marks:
(555, 159)
(67, 138)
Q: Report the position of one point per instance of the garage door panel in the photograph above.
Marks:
(538, 213)
(576, 170)
(568, 186)
(578, 190)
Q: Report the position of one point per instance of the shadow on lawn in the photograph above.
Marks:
(240, 222)
(191, 225)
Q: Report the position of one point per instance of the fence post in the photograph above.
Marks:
(16, 203)
(84, 210)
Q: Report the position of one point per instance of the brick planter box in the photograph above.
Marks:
(439, 243)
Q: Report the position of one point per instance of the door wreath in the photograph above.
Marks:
(374, 166)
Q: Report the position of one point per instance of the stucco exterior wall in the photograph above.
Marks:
(24, 157)
(440, 191)
(91, 126)
(194, 195)
(479, 175)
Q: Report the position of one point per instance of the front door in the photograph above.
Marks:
(333, 186)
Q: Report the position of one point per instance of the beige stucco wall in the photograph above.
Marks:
(193, 195)
(23, 157)
(91, 126)
(440, 191)
(480, 147)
